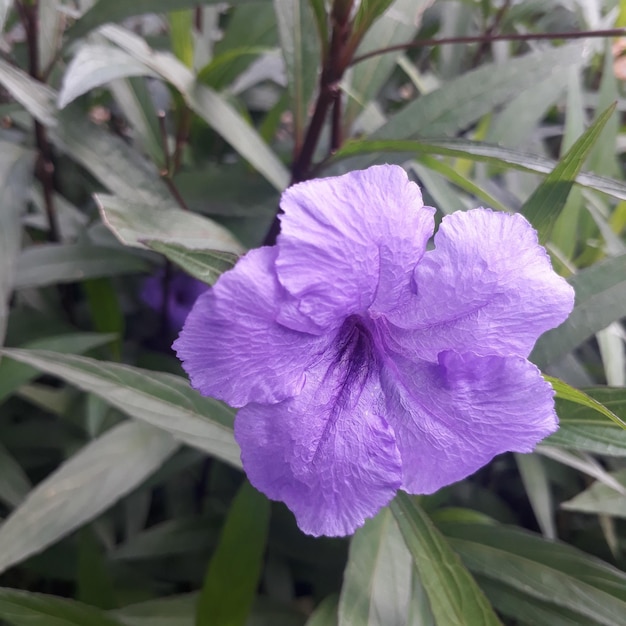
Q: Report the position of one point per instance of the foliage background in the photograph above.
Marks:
(140, 137)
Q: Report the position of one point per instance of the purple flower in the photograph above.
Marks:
(183, 290)
(364, 363)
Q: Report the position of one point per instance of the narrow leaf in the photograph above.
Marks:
(544, 206)
(455, 598)
(567, 392)
(104, 11)
(49, 264)
(34, 96)
(181, 36)
(233, 574)
(91, 481)
(301, 51)
(95, 65)
(205, 265)
(377, 581)
(133, 223)
(14, 484)
(209, 105)
(24, 608)
(464, 100)
(474, 151)
(14, 374)
(600, 300)
(601, 499)
(110, 159)
(162, 400)
(549, 572)
(16, 166)
(326, 613)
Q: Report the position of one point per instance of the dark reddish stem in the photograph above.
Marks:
(423, 43)
(45, 164)
(497, 20)
(329, 96)
(170, 168)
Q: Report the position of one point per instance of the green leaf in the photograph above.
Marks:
(51, 23)
(108, 158)
(14, 484)
(16, 167)
(600, 498)
(567, 392)
(135, 100)
(233, 574)
(376, 587)
(455, 598)
(474, 151)
(205, 265)
(162, 400)
(13, 374)
(134, 223)
(464, 100)
(104, 11)
(94, 584)
(49, 264)
(537, 486)
(552, 573)
(105, 310)
(95, 65)
(600, 300)
(536, 613)
(399, 24)
(209, 105)
(547, 201)
(87, 484)
(321, 21)
(301, 52)
(34, 96)
(251, 26)
(584, 428)
(5, 7)
(181, 36)
(24, 608)
(171, 611)
(326, 613)
(367, 14)
(522, 116)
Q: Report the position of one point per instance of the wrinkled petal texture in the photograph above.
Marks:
(350, 243)
(231, 346)
(453, 417)
(364, 363)
(488, 287)
(328, 454)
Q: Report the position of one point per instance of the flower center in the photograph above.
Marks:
(354, 357)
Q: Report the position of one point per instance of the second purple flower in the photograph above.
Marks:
(365, 364)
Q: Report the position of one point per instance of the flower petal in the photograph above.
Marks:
(351, 242)
(487, 287)
(328, 453)
(232, 348)
(453, 417)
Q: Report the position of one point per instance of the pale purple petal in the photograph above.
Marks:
(231, 346)
(488, 287)
(350, 243)
(453, 417)
(328, 454)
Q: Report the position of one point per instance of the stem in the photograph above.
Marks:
(423, 43)
(497, 20)
(44, 169)
(329, 91)
(170, 168)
